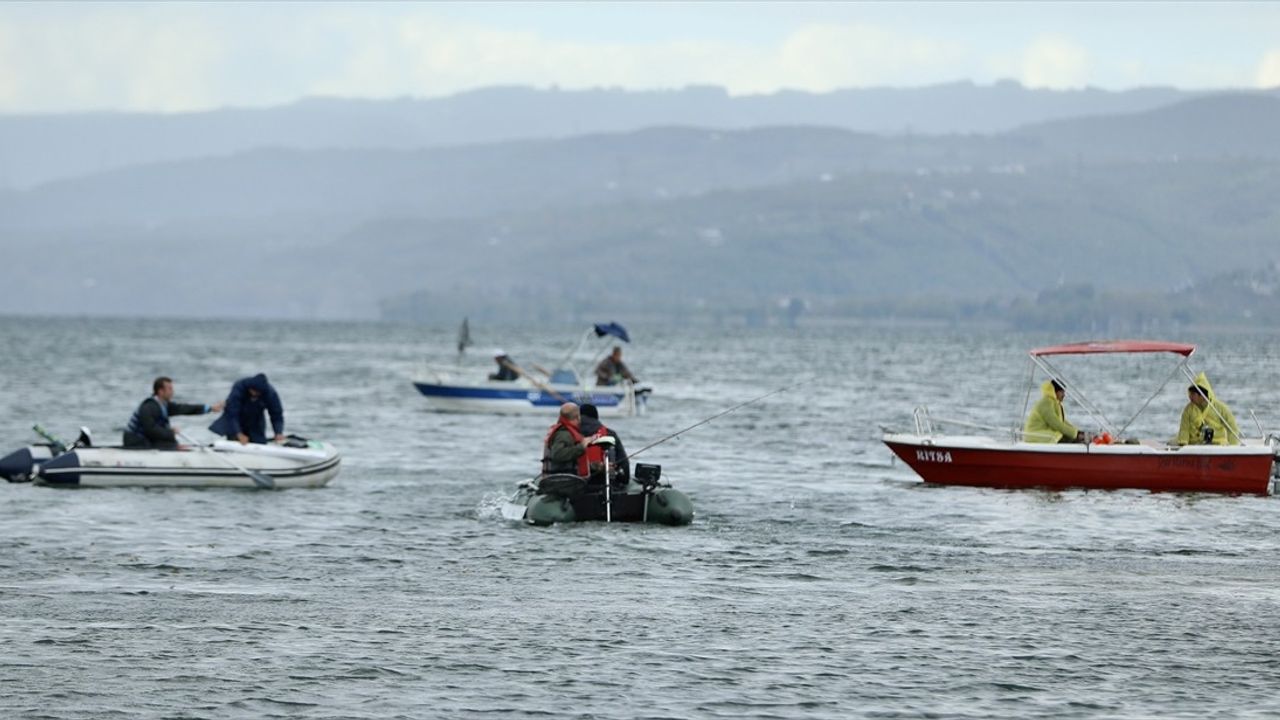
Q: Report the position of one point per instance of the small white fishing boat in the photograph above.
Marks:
(294, 464)
(455, 389)
(446, 392)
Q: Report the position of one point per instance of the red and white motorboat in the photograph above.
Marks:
(1155, 465)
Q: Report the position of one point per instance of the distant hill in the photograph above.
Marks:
(667, 221)
(902, 244)
(35, 149)
(1231, 125)
(355, 185)
(843, 246)
(477, 180)
(1242, 298)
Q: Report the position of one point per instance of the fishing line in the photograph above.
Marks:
(719, 414)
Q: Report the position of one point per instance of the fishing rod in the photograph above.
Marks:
(719, 414)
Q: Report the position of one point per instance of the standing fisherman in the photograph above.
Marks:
(243, 420)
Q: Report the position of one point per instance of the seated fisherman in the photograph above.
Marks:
(1047, 422)
(591, 426)
(506, 367)
(149, 426)
(612, 370)
(1206, 420)
(565, 448)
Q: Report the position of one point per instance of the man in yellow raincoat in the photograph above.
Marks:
(1206, 420)
(1047, 422)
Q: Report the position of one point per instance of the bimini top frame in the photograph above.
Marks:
(1094, 347)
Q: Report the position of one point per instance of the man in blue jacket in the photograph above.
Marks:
(242, 417)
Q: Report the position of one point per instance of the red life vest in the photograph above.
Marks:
(583, 468)
(595, 453)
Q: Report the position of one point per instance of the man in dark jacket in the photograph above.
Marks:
(612, 370)
(149, 426)
(590, 425)
(506, 367)
(242, 420)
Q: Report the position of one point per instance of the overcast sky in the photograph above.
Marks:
(57, 57)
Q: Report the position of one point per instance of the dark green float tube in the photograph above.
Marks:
(668, 506)
(549, 509)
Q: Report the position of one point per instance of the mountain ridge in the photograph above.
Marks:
(35, 149)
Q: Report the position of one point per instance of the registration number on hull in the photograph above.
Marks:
(936, 456)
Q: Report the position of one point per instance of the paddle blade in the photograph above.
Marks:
(262, 480)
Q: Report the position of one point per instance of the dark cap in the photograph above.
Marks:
(1056, 385)
(589, 410)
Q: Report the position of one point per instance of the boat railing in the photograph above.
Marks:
(441, 373)
(926, 422)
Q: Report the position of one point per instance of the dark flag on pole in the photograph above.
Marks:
(613, 329)
(464, 336)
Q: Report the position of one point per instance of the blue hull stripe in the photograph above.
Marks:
(536, 398)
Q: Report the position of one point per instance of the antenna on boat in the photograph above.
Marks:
(678, 433)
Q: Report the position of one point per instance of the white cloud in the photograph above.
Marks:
(1269, 70)
(1054, 62)
(826, 57)
(184, 57)
(187, 56)
(434, 57)
(98, 59)
(9, 93)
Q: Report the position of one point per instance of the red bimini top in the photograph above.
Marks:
(1116, 346)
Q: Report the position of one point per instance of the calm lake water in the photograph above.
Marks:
(818, 580)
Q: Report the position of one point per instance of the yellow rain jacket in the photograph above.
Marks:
(1215, 415)
(1047, 423)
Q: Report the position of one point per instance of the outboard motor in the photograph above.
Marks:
(21, 465)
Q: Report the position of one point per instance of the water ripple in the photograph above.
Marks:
(820, 578)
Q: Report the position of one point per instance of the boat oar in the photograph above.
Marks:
(507, 363)
(260, 479)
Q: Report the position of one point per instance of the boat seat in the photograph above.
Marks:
(563, 376)
(561, 484)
